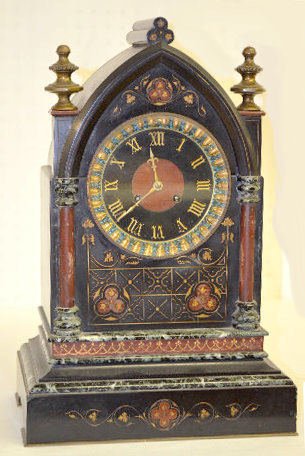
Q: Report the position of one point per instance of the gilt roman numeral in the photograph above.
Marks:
(181, 227)
(111, 186)
(157, 138)
(120, 164)
(157, 232)
(199, 161)
(179, 148)
(135, 227)
(203, 185)
(135, 147)
(197, 208)
(116, 209)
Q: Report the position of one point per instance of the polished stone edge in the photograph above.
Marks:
(59, 395)
(35, 366)
(166, 334)
(180, 383)
(165, 358)
(126, 359)
(156, 334)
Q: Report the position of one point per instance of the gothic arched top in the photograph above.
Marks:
(124, 74)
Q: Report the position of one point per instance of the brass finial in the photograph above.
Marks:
(64, 87)
(248, 87)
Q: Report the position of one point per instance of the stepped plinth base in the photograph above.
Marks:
(93, 402)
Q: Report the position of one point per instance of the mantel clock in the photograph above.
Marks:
(151, 317)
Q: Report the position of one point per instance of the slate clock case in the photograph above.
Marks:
(152, 327)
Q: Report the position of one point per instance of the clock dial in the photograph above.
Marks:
(159, 185)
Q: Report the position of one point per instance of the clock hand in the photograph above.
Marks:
(157, 185)
(153, 162)
(153, 189)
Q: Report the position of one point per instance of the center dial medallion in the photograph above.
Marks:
(159, 185)
(164, 177)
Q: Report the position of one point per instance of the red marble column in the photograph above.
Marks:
(66, 322)
(66, 258)
(247, 246)
(246, 315)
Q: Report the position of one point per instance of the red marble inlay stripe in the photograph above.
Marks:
(156, 347)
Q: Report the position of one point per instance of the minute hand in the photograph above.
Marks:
(153, 162)
(136, 204)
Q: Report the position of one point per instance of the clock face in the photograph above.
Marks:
(159, 185)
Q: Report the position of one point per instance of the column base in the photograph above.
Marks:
(67, 323)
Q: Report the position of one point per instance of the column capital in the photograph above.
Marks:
(66, 190)
(248, 188)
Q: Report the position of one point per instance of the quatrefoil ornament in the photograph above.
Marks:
(164, 414)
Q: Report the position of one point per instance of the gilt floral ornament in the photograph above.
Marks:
(160, 91)
(163, 415)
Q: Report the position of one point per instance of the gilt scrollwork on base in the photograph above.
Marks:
(160, 347)
(160, 91)
(163, 415)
